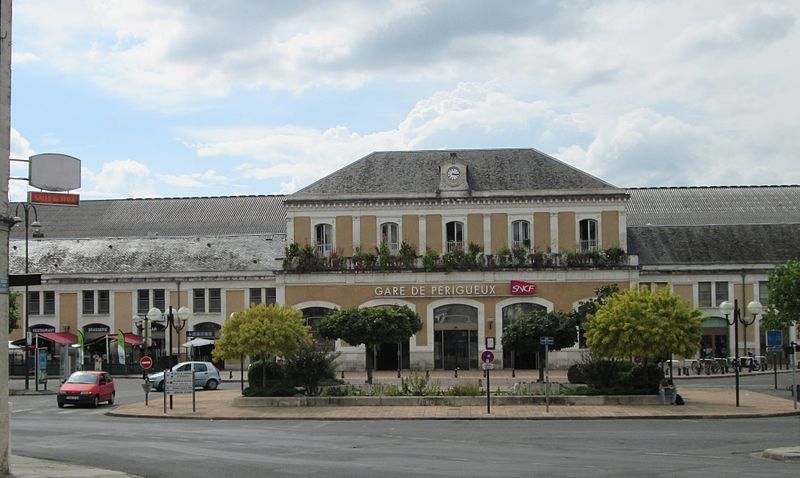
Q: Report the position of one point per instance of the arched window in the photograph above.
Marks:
(521, 234)
(390, 232)
(454, 231)
(312, 316)
(587, 230)
(323, 239)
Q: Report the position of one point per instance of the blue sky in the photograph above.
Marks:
(164, 98)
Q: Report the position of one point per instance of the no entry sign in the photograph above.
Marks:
(145, 362)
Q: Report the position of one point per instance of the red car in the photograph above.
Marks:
(87, 388)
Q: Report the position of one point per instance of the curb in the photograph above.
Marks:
(31, 392)
(787, 454)
(469, 418)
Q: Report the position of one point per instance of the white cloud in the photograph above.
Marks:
(20, 149)
(23, 57)
(194, 180)
(122, 178)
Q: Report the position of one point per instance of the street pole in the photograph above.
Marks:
(736, 345)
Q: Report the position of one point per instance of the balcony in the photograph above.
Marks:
(305, 259)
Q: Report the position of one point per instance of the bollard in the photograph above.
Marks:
(342, 374)
(455, 375)
(513, 373)
(427, 374)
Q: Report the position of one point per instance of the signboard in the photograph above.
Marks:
(54, 172)
(546, 341)
(53, 199)
(42, 329)
(41, 365)
(519, 287)
(145, 362)
(774, 349)
(487, 356)
(774, 338)
(96, 329)
(15, 280)
(178, 382)
(205, 334)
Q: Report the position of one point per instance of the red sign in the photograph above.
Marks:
(59, 199)
(145, 362)
(487, 356)
(519, 287)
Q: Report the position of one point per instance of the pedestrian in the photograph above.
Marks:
(666, 390)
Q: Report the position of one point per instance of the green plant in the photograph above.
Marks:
(336, 260)
(308, 260)
(345, 390)
(519, 253)
(310, 366)
(419, 385)
(384, 256)
(407, 255)
(615, 256)
(364, 260)
(503, 258)
(576, 373)
(473, 258)
(291, 254)
(453, 259)
(538, 258)
(271, 390)
(464, 390)
(430, 259)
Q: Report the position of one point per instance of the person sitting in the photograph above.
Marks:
(666, 390)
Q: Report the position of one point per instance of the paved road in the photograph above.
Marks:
(189, 448)
(759, 382)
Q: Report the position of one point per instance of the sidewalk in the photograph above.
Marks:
(24, 467)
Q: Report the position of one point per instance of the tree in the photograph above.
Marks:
(371, 326)
(13, 311)
(640, 323)
(784, 297)
(585, 309)
(263, 330)
(524, 333)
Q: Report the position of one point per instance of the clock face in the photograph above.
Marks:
(453, 173)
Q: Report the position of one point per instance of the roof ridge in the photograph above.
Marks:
(743, 186)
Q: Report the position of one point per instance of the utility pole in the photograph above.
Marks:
(5, 154)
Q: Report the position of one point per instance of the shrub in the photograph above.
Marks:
(274, 372)
(464, 390)
(309, 367)
(278, 389)
(576, 374)
(407, 255)
(430, 259)
(504, 257)
(419, 385)
(642, 379)
(345, 390)
(601, 372)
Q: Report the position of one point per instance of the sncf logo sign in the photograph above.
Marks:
(519, 287)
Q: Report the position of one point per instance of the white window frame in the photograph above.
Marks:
(449, 245)
(599, 233)
(324, 250)
(394, 248)
(512, 220)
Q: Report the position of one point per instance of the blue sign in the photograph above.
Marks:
(487, 357)
(546, 341)
(774, 338)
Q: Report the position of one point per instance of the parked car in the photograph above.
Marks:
(206, 375)
(87, 388)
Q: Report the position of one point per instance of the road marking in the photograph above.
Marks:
(22, 410)
(687, 455)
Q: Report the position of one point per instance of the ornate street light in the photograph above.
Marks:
(727, 309)
(37, 227)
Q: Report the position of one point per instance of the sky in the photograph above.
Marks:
(176, 98)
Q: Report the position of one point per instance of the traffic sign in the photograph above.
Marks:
(774, 338)
(178, 382)
(775, 349)
(546, 341)
(145, 362)
(487, 356)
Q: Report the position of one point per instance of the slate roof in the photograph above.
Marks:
(179, 255)
(714, 205)
(715, 244)
(197, 216)
(393, 173)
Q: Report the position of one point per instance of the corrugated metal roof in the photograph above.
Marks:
(717, 244)
(714, 205)
(222, 254)
(417, 172)
(199, 216)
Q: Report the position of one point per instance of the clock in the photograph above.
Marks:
(453, 174)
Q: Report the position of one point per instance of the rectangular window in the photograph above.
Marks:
(644, 285)
(661, 285)
(88, 302)
(255, 296)
(49, 302)
(763, 292)
(158, 299)
(454, 231)
(199, 300)
(704, 294)
(142, 301)
(721, 290)
(521, 234)
(103, 302)
(270, 296)
(215, 300)
(33, 303)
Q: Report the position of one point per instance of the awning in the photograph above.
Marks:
(11, 346)
(198, 342)
(63, 338)
(130, 339)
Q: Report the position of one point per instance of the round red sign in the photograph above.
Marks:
(145, 362)
(487, 356)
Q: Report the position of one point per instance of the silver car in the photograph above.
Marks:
(206, 375)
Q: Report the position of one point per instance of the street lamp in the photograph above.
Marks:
(37, 226)
(183, 316)
(726, 308)
(754, 308)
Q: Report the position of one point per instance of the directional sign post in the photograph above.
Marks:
(487, 357)
(546, 341)
(177, 383)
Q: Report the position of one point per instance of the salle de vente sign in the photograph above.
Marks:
(516, 287)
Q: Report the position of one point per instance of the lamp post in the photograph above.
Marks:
(726, 308)
(37, 226)
(754, 308)
(177, 325)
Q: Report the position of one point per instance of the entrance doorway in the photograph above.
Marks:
(386, 356)
(455, 337)
(519, 359)
(714, 342)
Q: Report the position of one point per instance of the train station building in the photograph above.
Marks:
(469, 239)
